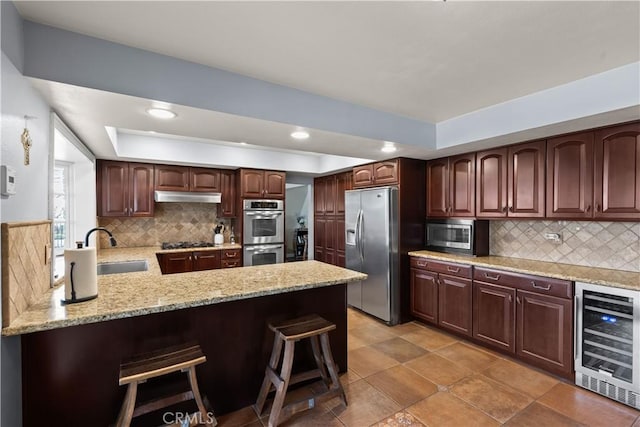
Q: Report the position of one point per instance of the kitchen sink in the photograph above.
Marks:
(122, 267)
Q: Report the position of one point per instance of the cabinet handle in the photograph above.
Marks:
(504, 209)
(488, 276)
(510, 298)
(421, 264)
(230, 254)
(544, 288)
(588, 208)
(597, 207)
(190, 258)
(453, 270)
(518, 300)
(510, 208)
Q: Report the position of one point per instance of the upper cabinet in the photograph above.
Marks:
(617, 172)
(261, 184)
(227, 207)
(570, 176)
(184, 178)
(124, 189)
(510, 181)
(375, 174)
(451, 186)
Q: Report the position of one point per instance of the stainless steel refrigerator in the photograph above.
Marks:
(371, 246)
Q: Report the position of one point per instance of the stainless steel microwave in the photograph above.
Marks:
(459, 236)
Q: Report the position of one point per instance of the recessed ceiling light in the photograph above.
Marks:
(300, 134)
(243, 143)
(161, 113)
(388, 147)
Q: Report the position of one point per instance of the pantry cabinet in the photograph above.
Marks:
(329, 225)
(124, 189)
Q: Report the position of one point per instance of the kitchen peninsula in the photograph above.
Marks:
(71, 354)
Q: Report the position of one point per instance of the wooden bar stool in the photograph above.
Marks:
(317, 330)
(136, 371)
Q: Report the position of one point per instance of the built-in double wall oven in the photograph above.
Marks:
(607, 348)
(263, 232)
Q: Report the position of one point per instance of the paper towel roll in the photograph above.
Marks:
(84, 274)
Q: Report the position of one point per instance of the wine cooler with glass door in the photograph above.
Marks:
(607, 347)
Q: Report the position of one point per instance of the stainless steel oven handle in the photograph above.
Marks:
(258, 215)
(263, 248)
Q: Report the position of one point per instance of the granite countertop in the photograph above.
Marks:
(599, 276)
(206, 248)
(140, 293)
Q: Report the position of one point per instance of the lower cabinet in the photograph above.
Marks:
(441, 294)
(454, 303)
(185, 261)
(494, 315)
(528, 317)
(545, 331)
(424, 295)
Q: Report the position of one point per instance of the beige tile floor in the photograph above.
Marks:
(413, 375)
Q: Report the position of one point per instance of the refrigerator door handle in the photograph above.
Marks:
(360, 232)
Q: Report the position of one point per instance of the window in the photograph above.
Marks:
(62, 199)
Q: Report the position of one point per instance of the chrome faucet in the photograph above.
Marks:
(112, 239)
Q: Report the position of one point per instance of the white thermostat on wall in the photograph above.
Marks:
(8, 176)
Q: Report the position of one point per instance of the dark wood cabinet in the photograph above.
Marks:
(363, 175)
(454, 303)
(438, 188)
(206, 260)
(329, 217)
(525, 186)
(376, 174)
(124, 189)
(510, 181)
(227, 206)
(204, 180)
(441, 293)
(424, 295)
(545, 331)
(570, 176)
(185, 178)
(274, 184)
(491, 183)
(494, 315)
(451, 186)
(175, 262)
(261, 184)
(185, 261)
(617, 172)
(172, 178)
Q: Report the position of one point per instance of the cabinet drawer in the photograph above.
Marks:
(231, 254)
(229, 263)
(542, 285)
(460, 270)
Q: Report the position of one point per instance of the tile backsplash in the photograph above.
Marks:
(172, 222)
(614, 245)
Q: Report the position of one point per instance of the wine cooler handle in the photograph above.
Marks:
(576, 305)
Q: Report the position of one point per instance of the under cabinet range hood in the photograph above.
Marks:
(186, 197)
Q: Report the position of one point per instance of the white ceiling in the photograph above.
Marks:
(427, 60)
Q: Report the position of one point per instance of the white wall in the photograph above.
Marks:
(297, 204)
(30, 202)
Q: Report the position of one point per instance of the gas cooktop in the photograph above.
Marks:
(182, 245)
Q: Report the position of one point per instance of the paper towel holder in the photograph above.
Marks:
(73, 299)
